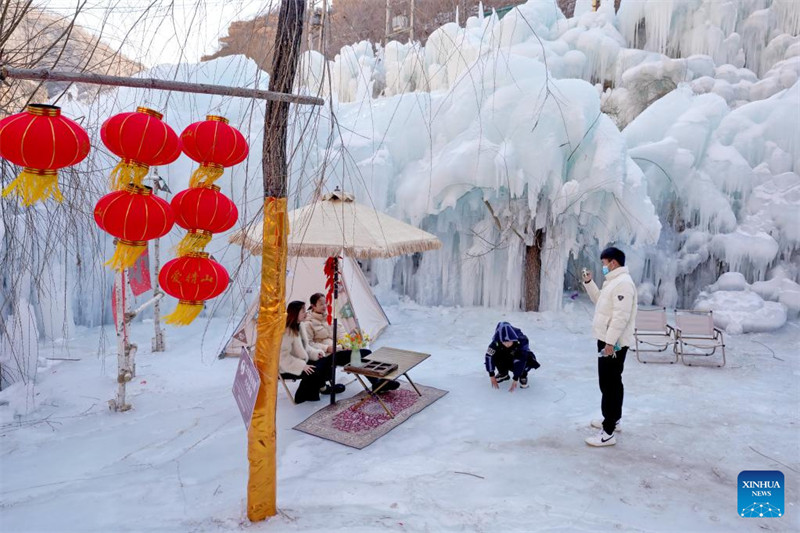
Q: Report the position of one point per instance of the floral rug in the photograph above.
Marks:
(360, 426)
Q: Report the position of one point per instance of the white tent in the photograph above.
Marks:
(357, 306)
(335, 226)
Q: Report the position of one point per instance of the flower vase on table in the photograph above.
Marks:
(354, 341)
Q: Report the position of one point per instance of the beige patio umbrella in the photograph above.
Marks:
(336, 223)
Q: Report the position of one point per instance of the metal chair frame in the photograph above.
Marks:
(651, 325)
(697, 337)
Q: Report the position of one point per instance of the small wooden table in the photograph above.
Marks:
(405, 361)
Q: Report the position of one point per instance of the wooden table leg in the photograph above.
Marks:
(373, 393)
(412, 384)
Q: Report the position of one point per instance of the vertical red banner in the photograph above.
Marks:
(140, 274)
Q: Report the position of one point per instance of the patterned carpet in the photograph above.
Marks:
(360, 427)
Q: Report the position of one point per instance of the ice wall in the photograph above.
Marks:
(725, 182)
(537, 149)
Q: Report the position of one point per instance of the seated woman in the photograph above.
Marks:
(319, 331)
(300, 360)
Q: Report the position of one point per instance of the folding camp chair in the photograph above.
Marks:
(696, 336)
(654, 335)
(288, 377)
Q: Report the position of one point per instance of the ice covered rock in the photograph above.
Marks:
(742, 311)
(730, 281)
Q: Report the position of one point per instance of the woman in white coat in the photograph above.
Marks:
(299, 358)
(320, 333)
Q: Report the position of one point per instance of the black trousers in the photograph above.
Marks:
(609, 374)
(310, 384)
(505, 365)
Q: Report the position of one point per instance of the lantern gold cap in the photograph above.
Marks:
(148, 111)
(143, 190)
(201, 255)
(43, 110)
(217, 118)
(41, 171)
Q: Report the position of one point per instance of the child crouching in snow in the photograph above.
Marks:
(509, 351)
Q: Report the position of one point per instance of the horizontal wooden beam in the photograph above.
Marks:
(152, 83)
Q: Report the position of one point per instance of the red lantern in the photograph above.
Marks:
(142, 140)
(134, 216)
(215, 145)
(191, 279)
(202, 210)
(41, 141)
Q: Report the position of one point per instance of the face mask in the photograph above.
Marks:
(605, 270)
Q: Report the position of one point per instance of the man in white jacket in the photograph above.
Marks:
(613, 324)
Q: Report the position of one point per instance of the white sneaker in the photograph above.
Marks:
(598, 423)
(603, 439)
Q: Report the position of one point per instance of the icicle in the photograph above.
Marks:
(787, 13)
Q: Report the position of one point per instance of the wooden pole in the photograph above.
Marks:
(152, 83)
(262, 481)
(411, 21)
(123, 372)
(322, 26)
(158, 344)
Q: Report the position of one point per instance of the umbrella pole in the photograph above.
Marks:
(335, 324)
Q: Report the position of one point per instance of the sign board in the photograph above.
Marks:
(245, 386)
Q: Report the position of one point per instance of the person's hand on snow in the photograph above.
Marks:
(587, 276)
(513, 385)
(308, 370)
(494, 382)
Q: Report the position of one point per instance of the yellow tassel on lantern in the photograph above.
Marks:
(35, 185)
(184, 313)
(126, 254)
(194, 241)
(206, 175)
(127, 172)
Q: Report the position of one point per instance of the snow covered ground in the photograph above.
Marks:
(477, 460)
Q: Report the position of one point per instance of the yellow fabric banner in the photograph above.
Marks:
(261, 448)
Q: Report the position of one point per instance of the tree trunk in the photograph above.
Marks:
(533, 271)
(262, 482)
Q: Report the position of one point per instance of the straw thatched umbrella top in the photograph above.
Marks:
(336, 223)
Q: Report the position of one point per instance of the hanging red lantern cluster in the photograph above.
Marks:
(134, 216)
(41, 141)
(215, 145)
(141, 139)
(192, 279)
(203, 211)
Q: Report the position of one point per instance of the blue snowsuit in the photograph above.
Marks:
(519, 358)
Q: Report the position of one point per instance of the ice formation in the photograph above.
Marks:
(725, 182)
(739, 307)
